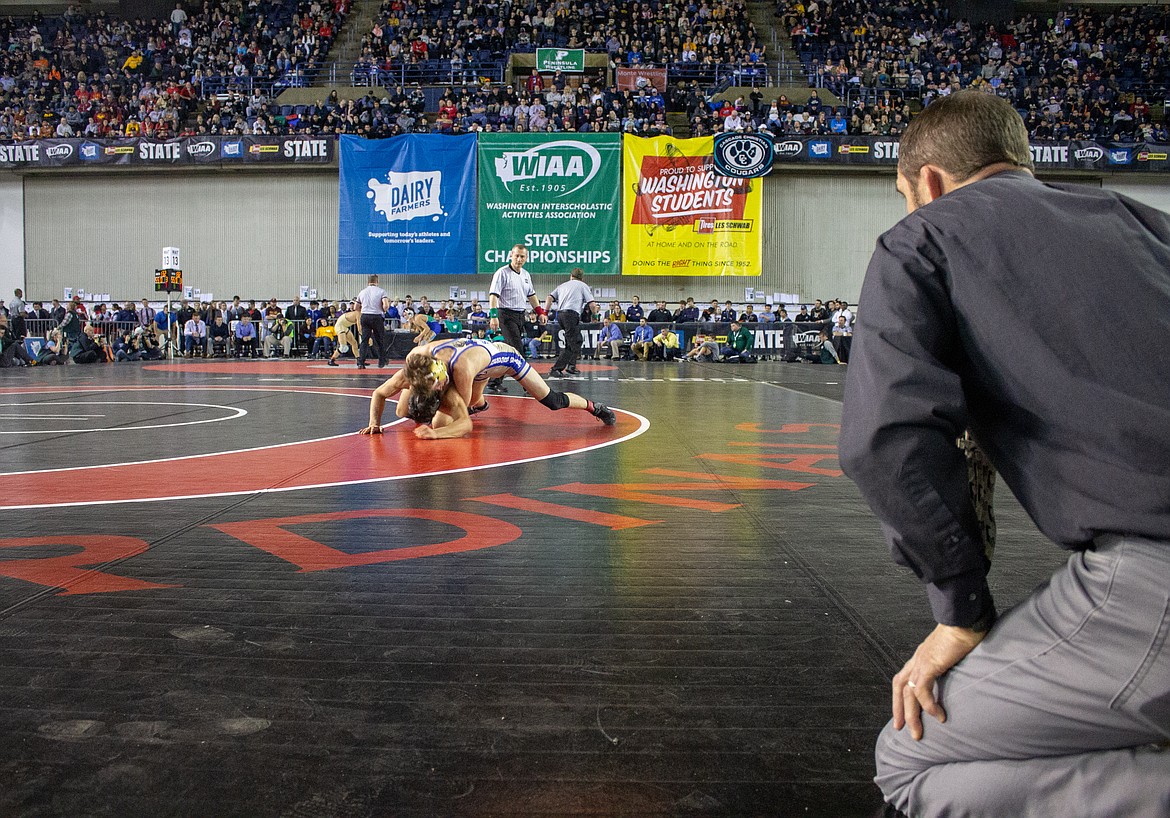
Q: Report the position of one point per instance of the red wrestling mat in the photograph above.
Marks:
(513, 430)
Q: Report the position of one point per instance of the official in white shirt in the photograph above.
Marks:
(373, 306)
(510, 292)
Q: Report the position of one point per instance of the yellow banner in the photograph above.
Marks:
(681, 217)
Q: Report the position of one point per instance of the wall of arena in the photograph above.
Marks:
(261, 235)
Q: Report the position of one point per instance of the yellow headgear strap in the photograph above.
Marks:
(438, 370)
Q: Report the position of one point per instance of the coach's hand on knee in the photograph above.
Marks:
(913, 686)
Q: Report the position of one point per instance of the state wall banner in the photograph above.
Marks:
(557, 194)
(407, 205)
(682, 217)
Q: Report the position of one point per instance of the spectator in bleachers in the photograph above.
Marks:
(246, 337)
(195, 335)
(635, 312)
(703, 349)
(12, 346)
(642, 340)
(51, 353)
(740, 342)
(842, 336)
(609, 340)
(278, 330)
(123, 347)
(219, 336)
(1077, 74)
(660, 314)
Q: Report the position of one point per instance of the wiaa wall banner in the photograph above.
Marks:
(684, 219)
(407, 205)
(557, 194)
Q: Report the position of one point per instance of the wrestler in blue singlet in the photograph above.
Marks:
(504, 361)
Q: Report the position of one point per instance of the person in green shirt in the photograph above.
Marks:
(740, 342)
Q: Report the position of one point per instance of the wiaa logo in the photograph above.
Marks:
(1090, 154)
(743, 155)
(201, 148)
(564, 160)
(790, 147)
(59, 152)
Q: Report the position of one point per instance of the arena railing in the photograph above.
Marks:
(724, 74)
(433, 72)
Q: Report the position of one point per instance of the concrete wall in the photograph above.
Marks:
(261, 235)
(12, 274)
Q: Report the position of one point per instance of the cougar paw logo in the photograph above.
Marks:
(743, 155)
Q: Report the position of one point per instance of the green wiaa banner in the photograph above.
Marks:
(557, 194)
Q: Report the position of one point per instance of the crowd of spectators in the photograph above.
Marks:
(457, 39)
(778, 116)
(94, 75)
(561, 107)
(145, 330)
(1085, 73)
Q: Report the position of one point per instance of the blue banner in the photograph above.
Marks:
(407, 205)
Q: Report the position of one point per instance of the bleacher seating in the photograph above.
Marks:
(91, 74)
(449, 42)
(1081, 74)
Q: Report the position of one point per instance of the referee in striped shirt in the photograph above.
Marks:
(510, 292)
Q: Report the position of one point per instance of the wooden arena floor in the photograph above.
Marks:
(216, 600)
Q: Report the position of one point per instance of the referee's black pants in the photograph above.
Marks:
(512, 328)
(570, 321)
(373, 326)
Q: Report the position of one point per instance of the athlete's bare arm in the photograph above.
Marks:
(387, 390)
(451, 421)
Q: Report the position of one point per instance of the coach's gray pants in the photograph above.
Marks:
(1057, 713)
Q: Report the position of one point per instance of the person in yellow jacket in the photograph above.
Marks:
(665, 345)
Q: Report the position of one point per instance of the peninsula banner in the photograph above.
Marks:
(683, 218)
(407, 205)
(560, 59)
(557, 194)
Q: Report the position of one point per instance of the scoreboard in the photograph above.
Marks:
(168, 281)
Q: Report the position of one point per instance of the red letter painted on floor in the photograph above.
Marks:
(649, 492)
(614, 522)
(272, 535)
(71, 572)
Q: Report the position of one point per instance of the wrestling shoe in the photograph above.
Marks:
(496, 387)
(604, 414)
(572, 370)
(332, 362)
(556, 373)
(475, 410)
